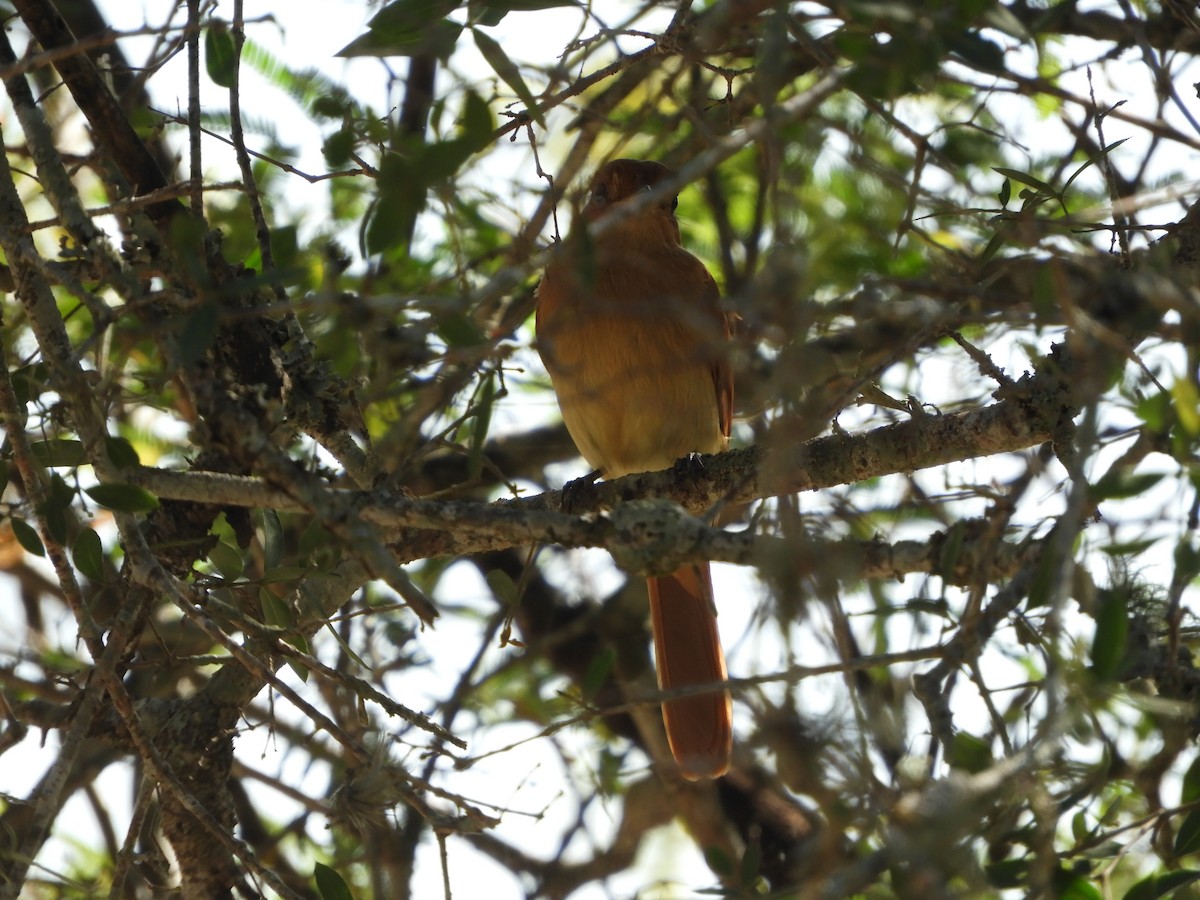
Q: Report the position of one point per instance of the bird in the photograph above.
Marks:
(630, 328)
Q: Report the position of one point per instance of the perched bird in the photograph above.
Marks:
(630, 328)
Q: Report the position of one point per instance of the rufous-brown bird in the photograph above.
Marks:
(630, 328)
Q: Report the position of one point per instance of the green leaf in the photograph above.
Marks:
(30, 382)
(597, 672)
(199, 332)
(88, 554)
(1112, 627)
(970, 753)
(280, 614)
(751, 863)
(1187, 560)
(53, 509)
(492, 12)
(1189, 792)
(59, 452)
(27, 537)
(1187, 838)
(1077, 888)
(123, 497)
(220, 54)
(227, 560)
(1161, 885)
(977, 51)
(283, 574)
(330, 884)
(502, 586)
(276, 613)
(480, 424)
(1123, 484)
(1008, 873)
(272, 539)
(121, 452)
(719, 861)
(459, 330)
(338, 147)
(407, 28)
(1026, 179)
(508, 72)
(1098, 155)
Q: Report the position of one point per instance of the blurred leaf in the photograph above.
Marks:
(751, 864)
(1027, 179)
(198, 333)
(272, 541)
(88, 554)
(1187, 838)
(53, 510)
(120, 452)
(123, 497)
(408, 28)
(330, 884)
(62, 452)
(227, 560)
(502, 586)
(27, 537)
(1189, 792)
(1187, 561)
(509, 73)
(481, 423)
(978, 51)
(597, 673)
(492, 12)
(1077, 887)
(1112, 626)
(30, 382)
(283, 574)
(276, 612)
(970, 753)
(719, 861)
(220, 54)
(1157, 411)
(1187, 405)
(1122, 484)
(1156, 886)
(406, 174)
(1007, 874)
(1092, 160)
(338, 147)
(279, 614)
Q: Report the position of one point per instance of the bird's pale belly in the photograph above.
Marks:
(639, 408)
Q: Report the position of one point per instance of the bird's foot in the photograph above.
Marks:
(580, 493)
(690, 467)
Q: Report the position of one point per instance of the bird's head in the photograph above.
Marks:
(621, 180)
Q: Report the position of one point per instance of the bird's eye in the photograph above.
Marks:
(599, 195)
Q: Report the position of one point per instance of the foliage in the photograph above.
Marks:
(252, 437)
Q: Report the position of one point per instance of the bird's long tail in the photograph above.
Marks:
(688, 652)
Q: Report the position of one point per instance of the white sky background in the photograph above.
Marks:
(529, 780)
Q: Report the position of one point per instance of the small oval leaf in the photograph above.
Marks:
(88, 554)
(220, 54)
(121, 452)
(330, 884)
(27, 537)
(59, 452)
(123, 497)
